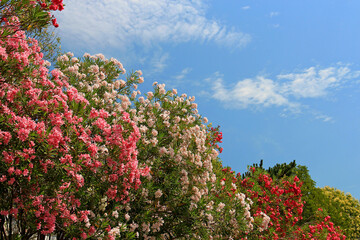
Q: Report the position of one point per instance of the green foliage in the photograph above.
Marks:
(48, 41)
(29, 15)
(282, 170)
(313, 196)
(344, 210)
(278, 171)
(35, 21)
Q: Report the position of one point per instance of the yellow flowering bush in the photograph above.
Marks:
(344, 210)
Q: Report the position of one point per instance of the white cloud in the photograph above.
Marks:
(125, 23)
(245, 8)
(259, 91)
(285, 91)
(313, 82)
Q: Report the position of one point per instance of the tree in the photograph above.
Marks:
(344, 210)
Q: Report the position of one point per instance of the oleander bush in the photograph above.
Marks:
(85, 155)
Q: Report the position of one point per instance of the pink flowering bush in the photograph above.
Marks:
(67, 161)
(30, 13)
(178, 198)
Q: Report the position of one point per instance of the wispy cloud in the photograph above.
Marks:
(322, 117)
(313, 82)
(273, 14)
(258, 91)
(144, 23)
(158, 62)
(183, 74)
(285, 90)
(245, 8)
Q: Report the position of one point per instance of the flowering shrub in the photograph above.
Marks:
(241, 223)
(85, 155)
(180, 191)
(282, 201)
(344, 210)
(322, 229)
(63, 154)
(30, 15)
(176, 198)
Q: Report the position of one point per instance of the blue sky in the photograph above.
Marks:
(281, 78)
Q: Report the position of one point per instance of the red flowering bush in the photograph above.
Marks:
(282, 201)
(323, 228)
(236, 219)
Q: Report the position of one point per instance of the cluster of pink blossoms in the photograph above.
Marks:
(53, 139)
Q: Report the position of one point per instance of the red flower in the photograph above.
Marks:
(54, 22)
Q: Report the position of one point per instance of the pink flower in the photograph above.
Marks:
(4, 137)
(93, 113)
(154, 132)
(296, 179)
(101, 123)
(56, 119)
(3, 178)
(54, 22)
(8, 158)
(92, 230)
(83, 235)
(11, 170)
(23, 134)
(14, 211)
(11, 181)
(18, 172)
(65, 185)
(103, 114)
(55, 137)
(158, 193)
(25, 172)
(3, 53)
(79, 179)
(93, 149)
(73, 217)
